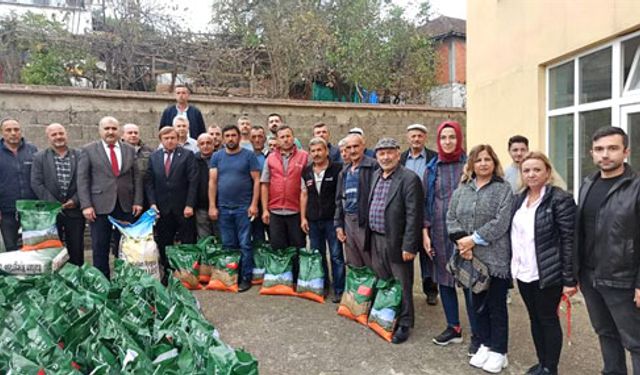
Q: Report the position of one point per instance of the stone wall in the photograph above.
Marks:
(80, 110)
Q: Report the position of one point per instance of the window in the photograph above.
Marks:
(600, 87)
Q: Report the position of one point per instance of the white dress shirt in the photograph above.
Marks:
(117, 150)
(524, 265)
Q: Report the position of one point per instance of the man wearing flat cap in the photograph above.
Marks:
(416, 159)
(395, 220)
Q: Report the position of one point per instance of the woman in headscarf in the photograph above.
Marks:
(441, 178)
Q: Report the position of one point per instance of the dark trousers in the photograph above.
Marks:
(356, 254)
(9, 226)
(285, 231)
(616, 320)
(71, 232)
(403, 272)
(101, 233)
(321, 233)
(426, 271)
(168, 226)
(492, 316)
(449, 298)
(542, 306)
(235, 229)
(258, 228)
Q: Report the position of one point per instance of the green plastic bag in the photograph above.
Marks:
(185, 260)
(224, 275)
(38, 221)
(209, 250)
(358, 294)
(278, 276)
(259, 254)
(385, 309)
(311, 276)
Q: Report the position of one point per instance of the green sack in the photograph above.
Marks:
(311, 276)
(358, 294)
(278, 276)
(259, 250)
(208, 259)
(185, 260)
(38, 221)
(224, 275)
(386, 306)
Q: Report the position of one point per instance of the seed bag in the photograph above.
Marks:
(278, 276)
(384, 312)
(137, 245)
(185, 261)
(224, 274)
(209, 247)
(311, 276)
(358, 294)
(33, 262)
(38, 221)
(259, 250)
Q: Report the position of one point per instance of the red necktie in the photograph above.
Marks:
(167, 164)
(114, 161)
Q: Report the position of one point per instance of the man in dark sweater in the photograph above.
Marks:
(607, 251)
(182, 107)
(317, 207)
(204, 225)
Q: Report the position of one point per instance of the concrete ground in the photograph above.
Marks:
(290, 335)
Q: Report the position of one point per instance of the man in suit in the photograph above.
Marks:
(395, 226)
(172, 190)
(109, 184)
(182, 107)
(54, 178)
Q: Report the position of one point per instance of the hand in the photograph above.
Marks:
(465, 243)
(252, 211)
(467, 254)
(407, 256)
(304, 224)
(426, 243)
(155, 208)
(570, 291)
(265, 217)
(636, 298)
(213, 213)
(136, 210)
(188, 212)
(342, 237)
(90, 214)
(68, 204)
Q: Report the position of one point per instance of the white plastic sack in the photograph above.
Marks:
(137, 245)
(33, 262)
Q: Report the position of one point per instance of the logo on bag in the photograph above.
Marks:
(364, 290)
(232, 266)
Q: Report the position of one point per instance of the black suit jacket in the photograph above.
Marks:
(403, 212)
(44, 180)
(179, 189)
(196, 121)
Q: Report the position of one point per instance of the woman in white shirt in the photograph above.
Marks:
(542, 243)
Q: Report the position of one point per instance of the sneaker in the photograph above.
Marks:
(480, 358)
(473, 346)
(533, 370)
(448, 336)
(244, 286)
(495, 362)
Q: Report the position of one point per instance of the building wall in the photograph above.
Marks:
(80, 110)
(509, 45)
(443, 48)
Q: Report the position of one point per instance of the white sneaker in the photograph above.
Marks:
(495, 363)
(478, 360)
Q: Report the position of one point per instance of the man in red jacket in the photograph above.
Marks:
(280, 191)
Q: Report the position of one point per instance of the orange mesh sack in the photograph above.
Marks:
(384, 312)
(38, 221)
(278, 274)
(358, 294)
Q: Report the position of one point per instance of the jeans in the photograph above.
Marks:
(542, 305)
(490, 307)
(322, 232)
(235, 230)
(9, 226)
(616, 320)
(449, 298)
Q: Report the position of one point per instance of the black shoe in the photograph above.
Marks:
(432, 298)
(474, 345)
(401, 335)
(448, 336)
(244, 286)
(533, 370)
(545, 371)
(336, 298)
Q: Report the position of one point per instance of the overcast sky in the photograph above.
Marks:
(199, 11)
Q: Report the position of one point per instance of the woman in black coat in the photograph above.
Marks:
(542, 243)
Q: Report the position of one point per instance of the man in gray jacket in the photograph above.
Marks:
(109, 184)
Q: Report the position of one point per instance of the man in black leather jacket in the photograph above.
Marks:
(607, 251)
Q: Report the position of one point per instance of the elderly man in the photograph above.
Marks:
(16, 157)
(54, 179)
(416, 159)
(215, 131)
(109, 184)
(320, 129)
(370, 153)
(395, 221)
(181, 124)
(352, 209)
(204, 225)
(258, 140)
(182, 108)
(317, 207)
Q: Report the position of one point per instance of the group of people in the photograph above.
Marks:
(378, 208)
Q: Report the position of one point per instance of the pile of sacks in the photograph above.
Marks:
(75, 321)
